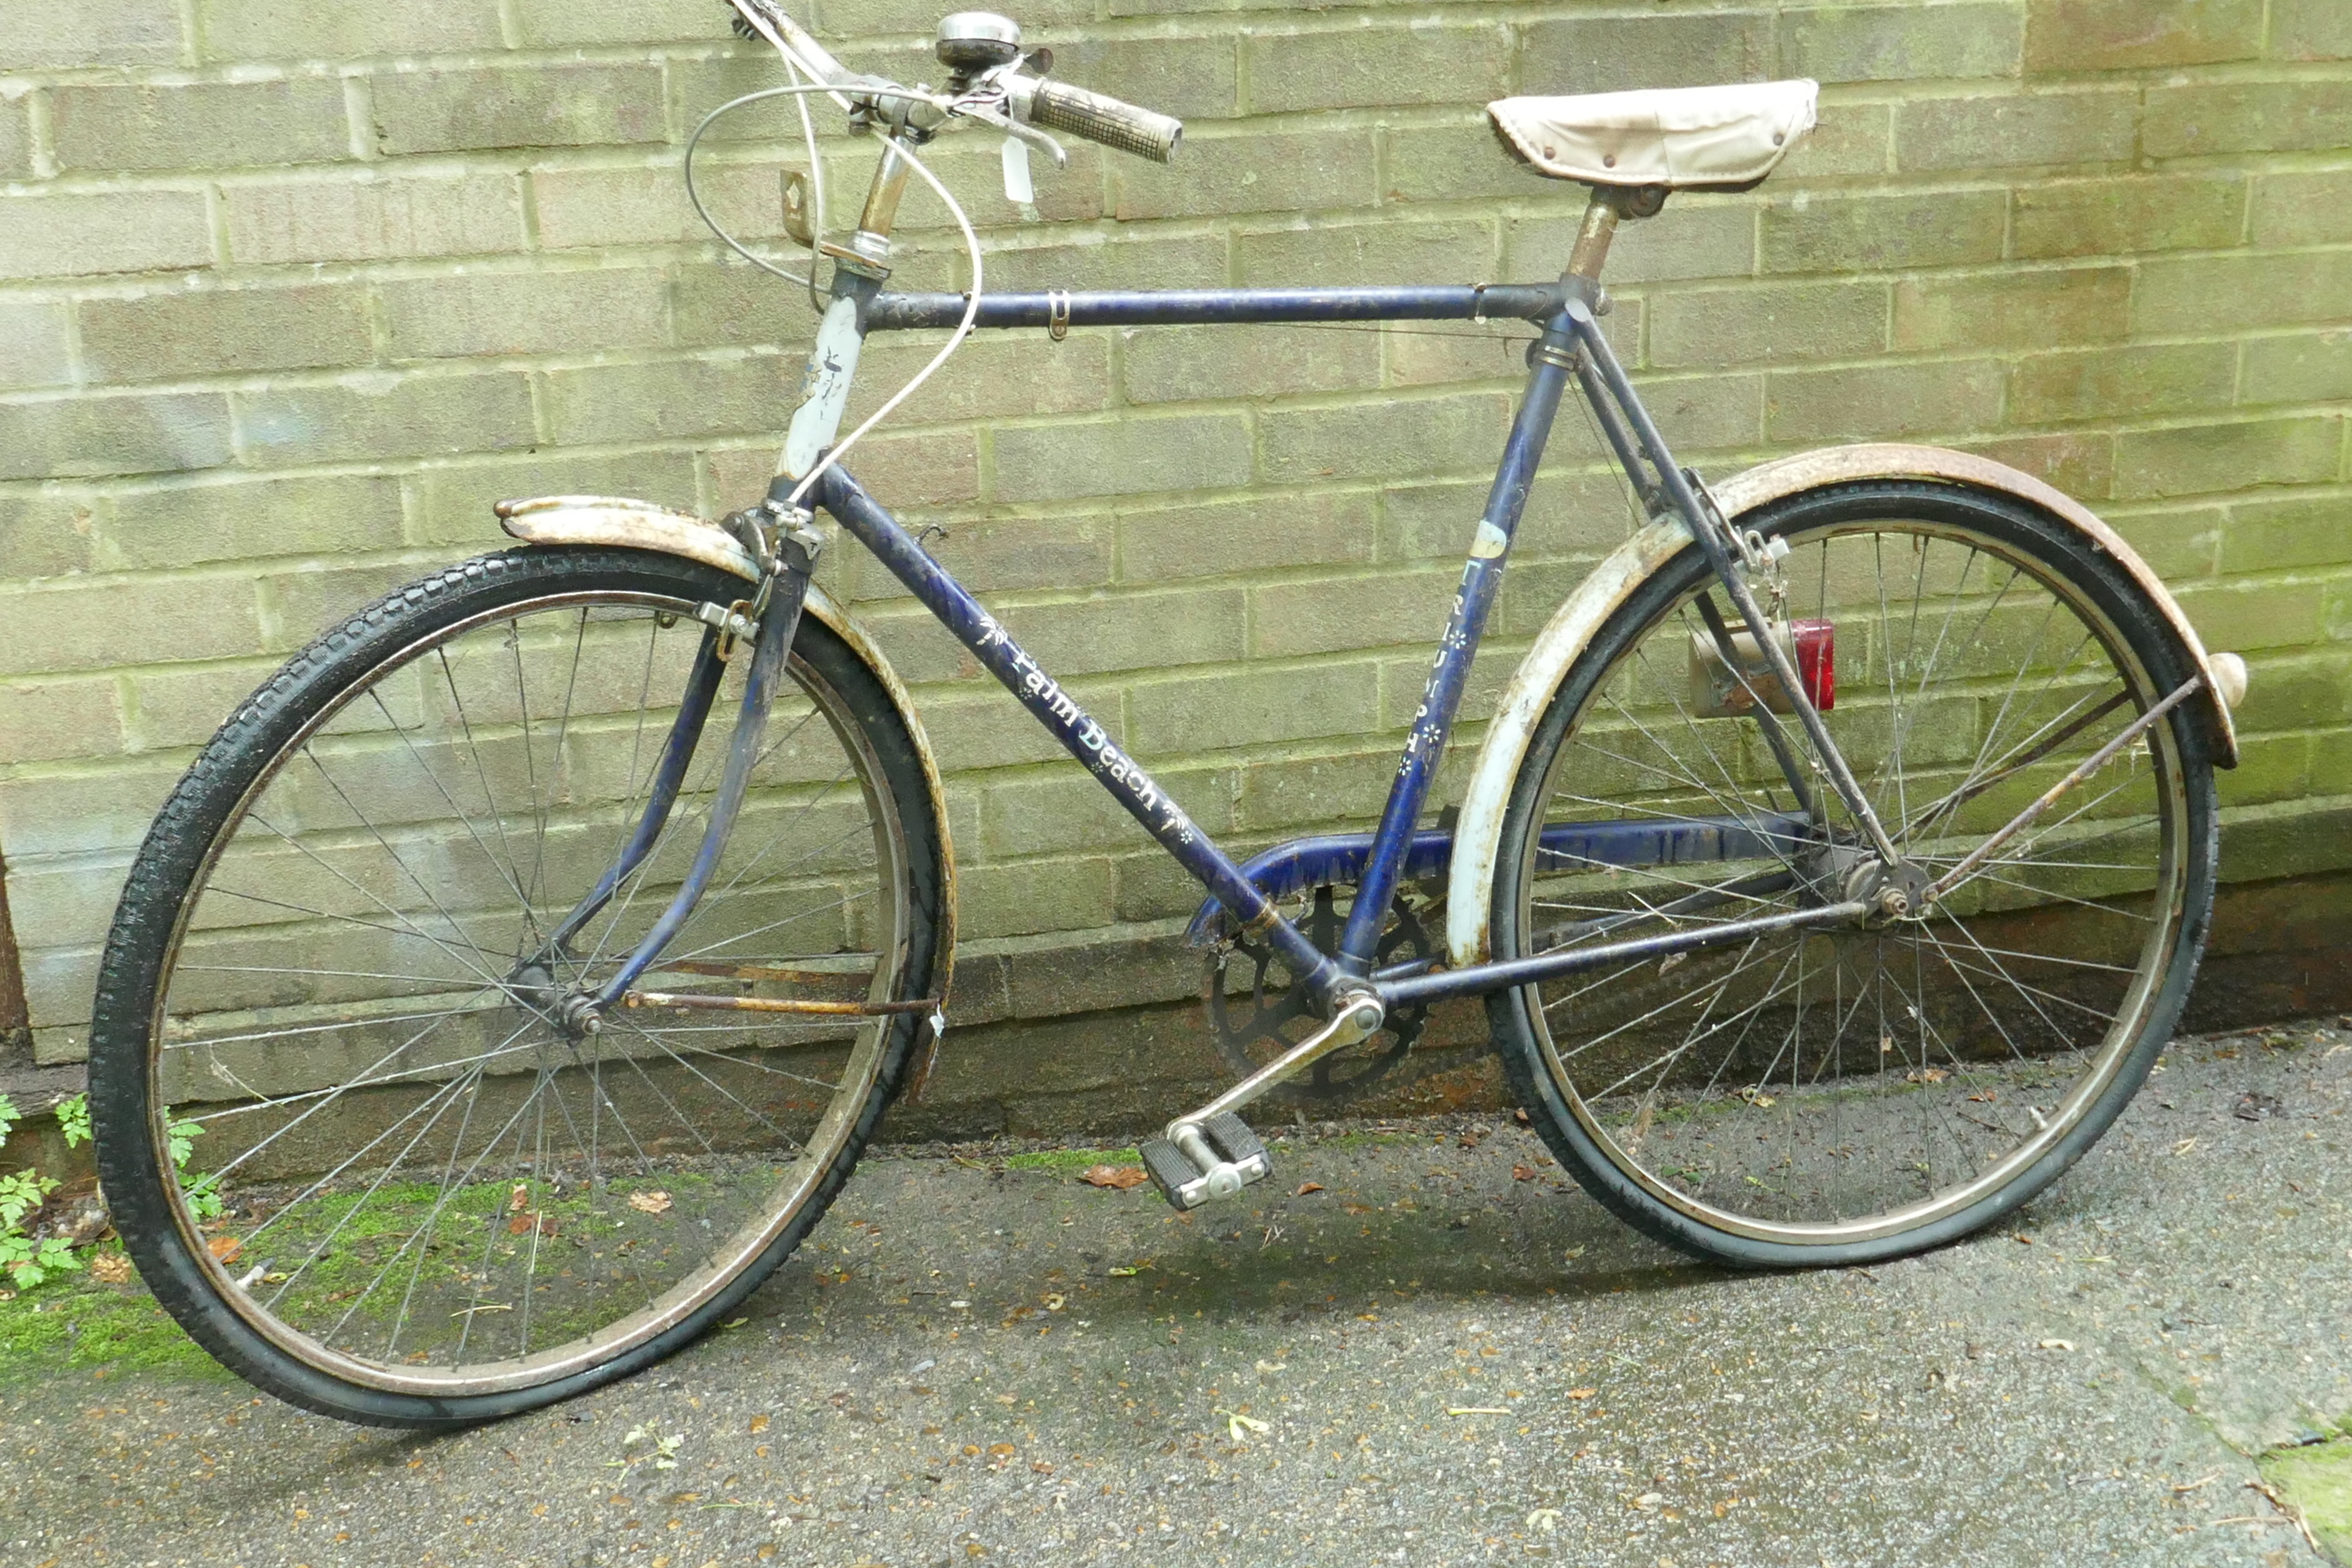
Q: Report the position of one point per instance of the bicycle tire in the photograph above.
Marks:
(175, 886)
(1743, 1194)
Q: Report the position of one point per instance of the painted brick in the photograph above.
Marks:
(450, 503)
(1464, 163)
(1883, 43)
(32, 351)
(2129, 383)
(193, 525)
(130, 434)
(543, 23)
(1580, 514)
(2292, 208)
(540, 313)
(1098, 261)
(1252, 708)
(2108, 217)
(1196, 78)
(999, 554)
(1779, 322)
(1606, 54)
(1847, 139)
(367, 217)
(668, 398)
(124, 231)
(172, 334)
(1128, 457)
(1389, 250)
(16, 137)
(1068, 894)
(44, 534)
(2312, 367)
(2013, 310)
(79, 626)
(992, 377)
(2106, 34)
(2082, 463)
(2310, 30)
(2292, 532)
(1384, 440)
(54, 720)
(379, 415)
(2017, 129)
(1132, 631)
(170, 709)
(296, 120)
(2202, 459)
(973, 168)
(1055, 810)
(1375, 65)
(1889, 401)
(1303, 171)
(2209, 118)
(1265, 531)
(1839, 234)
(1686, 241)
(545, 106)
(291, 29)
(92, 33)
(1340, 615)
(1162, 364)
(2196, 294)
(1697, 413)
(647, 206)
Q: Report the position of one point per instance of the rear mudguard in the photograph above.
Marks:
(642, 525)
(1478, 834)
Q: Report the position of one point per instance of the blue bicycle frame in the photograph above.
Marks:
(1569, 344)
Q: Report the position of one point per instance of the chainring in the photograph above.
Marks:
(1254, 1026)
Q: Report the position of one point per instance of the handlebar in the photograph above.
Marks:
(1098, 116)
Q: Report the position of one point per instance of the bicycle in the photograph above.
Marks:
(492, 1006)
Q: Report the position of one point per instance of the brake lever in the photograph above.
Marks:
(988, 108)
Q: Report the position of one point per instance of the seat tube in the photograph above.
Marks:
(1481, 574)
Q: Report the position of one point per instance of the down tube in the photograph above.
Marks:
(1119, 774)
(1424, 748)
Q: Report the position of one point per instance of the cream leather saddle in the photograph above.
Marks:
(1682, 138)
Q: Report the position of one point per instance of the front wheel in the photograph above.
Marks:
(1844, 1095)
(352, 1138)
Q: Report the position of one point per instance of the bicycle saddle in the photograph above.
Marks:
(1682, 138)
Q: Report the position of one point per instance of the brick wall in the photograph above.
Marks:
(289, 293)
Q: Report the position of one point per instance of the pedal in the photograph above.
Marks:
(1216, 1159)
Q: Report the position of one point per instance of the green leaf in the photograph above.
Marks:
(73, 1119)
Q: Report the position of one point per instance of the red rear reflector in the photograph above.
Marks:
(1817, 661)
(1716, 692)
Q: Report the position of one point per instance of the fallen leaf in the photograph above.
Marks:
(1356, 1208)
(1646, 1500)
(1129, 1273)
(759, 1423)
(519, 1199)
(1523, 1173)
(1001, 1449)
(225, 1247)
(1270, 1367)
(649, 1203)
(1544, 1518)
(1055, 1303)
(110, 1268)
(1120, 1176)
(1237, 1427)
(1582, 1393)
(1307, 1188)
(1927, 1075)
(1475, 1410)
(2057, 1344)
(735, 1323)
(2185, 1145)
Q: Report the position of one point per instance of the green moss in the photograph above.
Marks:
(1072, 1159)
(2318, 1481)
(79, 1325)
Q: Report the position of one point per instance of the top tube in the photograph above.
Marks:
(1448, 302)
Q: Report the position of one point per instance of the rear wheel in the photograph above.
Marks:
(344, 1126)
(1849, 1094)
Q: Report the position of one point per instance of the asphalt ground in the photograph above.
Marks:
(1446, 1355)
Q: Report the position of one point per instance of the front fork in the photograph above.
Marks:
(783, 595)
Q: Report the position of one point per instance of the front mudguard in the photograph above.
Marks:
(642, 525)
(1478, 834)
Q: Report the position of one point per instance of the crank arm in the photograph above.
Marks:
(1358, 1021)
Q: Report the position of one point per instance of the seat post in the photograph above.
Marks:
(1592, 237)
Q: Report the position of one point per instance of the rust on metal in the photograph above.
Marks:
(722, 970)
(705, 1000)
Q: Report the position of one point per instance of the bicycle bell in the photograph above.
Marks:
(971, 42)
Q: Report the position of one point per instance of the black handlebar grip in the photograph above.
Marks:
(1056, 106)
